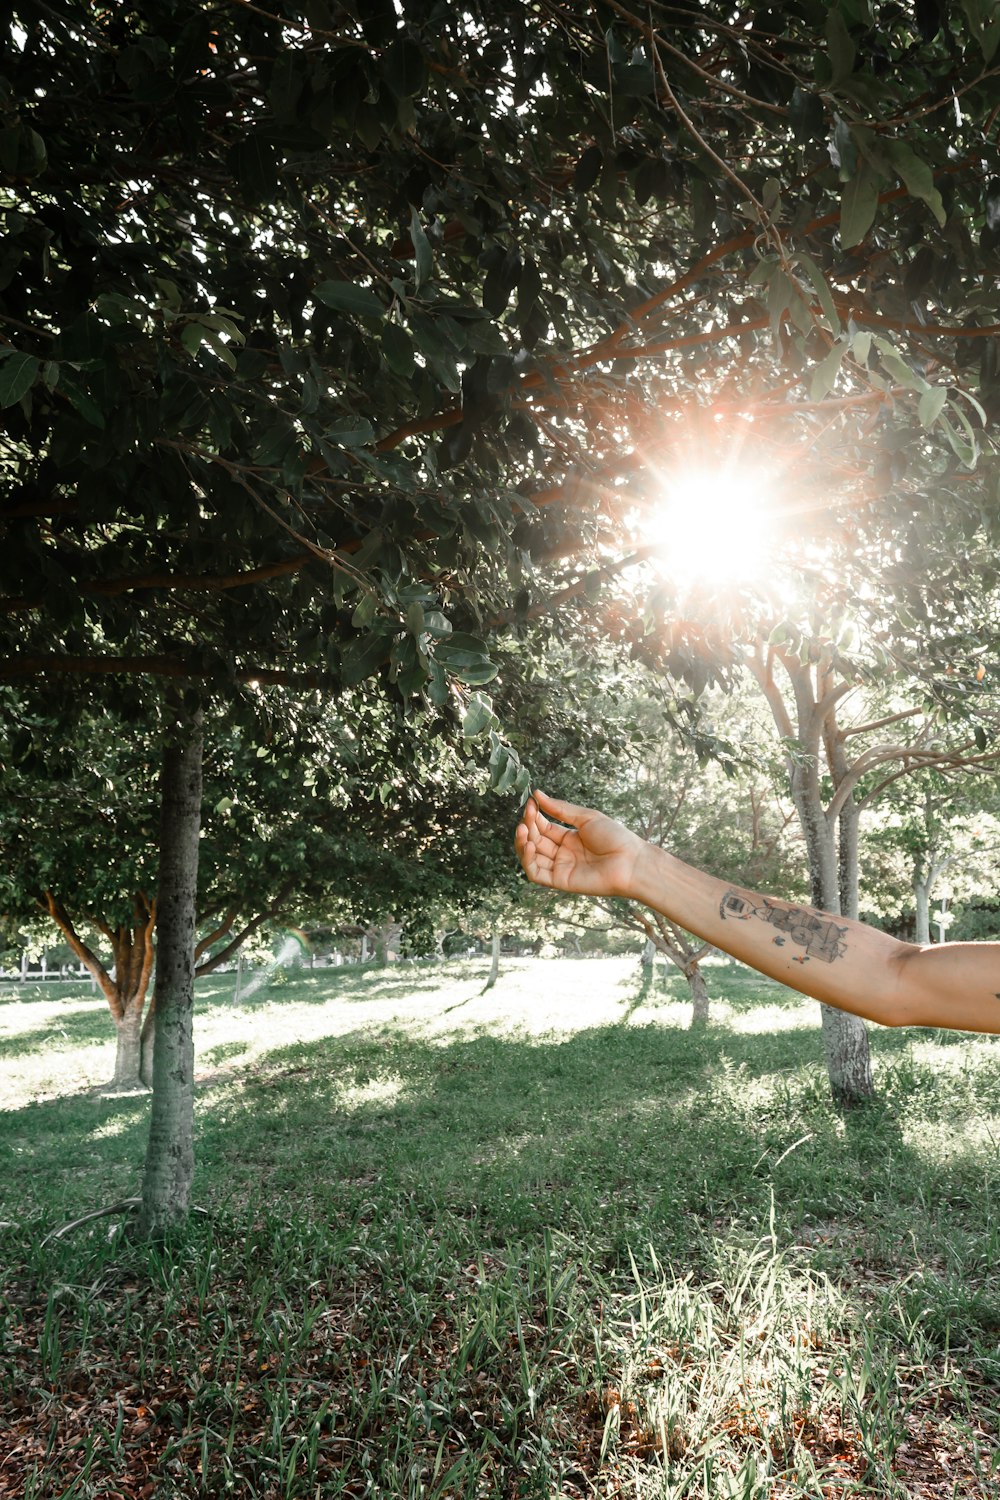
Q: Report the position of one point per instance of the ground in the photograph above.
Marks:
(541, 1242)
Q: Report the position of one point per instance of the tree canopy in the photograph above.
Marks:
(325, 332)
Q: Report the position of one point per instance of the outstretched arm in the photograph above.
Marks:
(844, 963)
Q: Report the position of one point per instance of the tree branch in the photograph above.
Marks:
(64, 922)
(241, 937)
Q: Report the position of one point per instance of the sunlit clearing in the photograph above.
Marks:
(713, 524)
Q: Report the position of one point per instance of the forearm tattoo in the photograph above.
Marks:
(818, 935)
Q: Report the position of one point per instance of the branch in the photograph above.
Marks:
(905, 713)
(764, 676)
(206, 582)
(64, 922)
(18, 667)
(213, 937)
(241, 937)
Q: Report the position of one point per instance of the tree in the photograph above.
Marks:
(329, 804)
(327, 336)
(715, 810)
(946, 823)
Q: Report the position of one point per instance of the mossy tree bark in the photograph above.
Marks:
(169, 1172)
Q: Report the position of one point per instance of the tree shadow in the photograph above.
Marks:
(671, 1131)
(75, 1028)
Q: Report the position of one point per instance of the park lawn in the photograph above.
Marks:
(540, 1242)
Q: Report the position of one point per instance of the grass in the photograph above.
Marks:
(535, 1243)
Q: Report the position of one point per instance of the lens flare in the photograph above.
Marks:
(712, 524)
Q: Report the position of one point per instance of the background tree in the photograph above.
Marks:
(329, 804)
(942, 825)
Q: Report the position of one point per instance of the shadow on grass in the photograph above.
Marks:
(75, 1027)
(643, 1131)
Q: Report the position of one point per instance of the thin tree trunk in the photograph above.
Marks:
(166, 1186)
(495, 960)
(147, 1045)
(845, 1036)
(922, 899)
(699, 995)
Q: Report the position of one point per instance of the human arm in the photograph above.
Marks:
(846, 964)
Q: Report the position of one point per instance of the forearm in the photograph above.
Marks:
(847, 964)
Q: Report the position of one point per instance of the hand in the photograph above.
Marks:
(595, 857)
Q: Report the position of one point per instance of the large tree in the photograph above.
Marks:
(327, 335)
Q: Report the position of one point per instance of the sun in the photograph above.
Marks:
(712, 523)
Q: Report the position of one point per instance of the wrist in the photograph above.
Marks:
(642, 877)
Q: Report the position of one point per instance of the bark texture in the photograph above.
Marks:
(166, 1187)
(699, 995)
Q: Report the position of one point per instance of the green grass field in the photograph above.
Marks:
(535, 1243)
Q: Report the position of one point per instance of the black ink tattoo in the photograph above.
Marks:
(818, 935)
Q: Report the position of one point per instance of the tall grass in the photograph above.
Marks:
(545, 1242)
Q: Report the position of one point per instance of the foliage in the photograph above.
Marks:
(941, 835)
(323, 333)
(329, 807)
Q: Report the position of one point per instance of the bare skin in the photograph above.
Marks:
(846, 964)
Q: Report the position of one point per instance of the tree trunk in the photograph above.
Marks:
(922, 899)
(494, 960)
(166, 1186)
(148, 1045)
(845, 1037)
(128, 1055)
(127, 983)
(699, 995)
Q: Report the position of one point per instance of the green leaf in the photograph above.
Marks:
(984, 23)
(345, 296)
(822, 287)
(460, 650)
(966, 451)
(80, 399)
(397, 349)
(18, 373)
(465, 657)
(858, 206)
(931, 405)
(896, 366)
(478, 717)
(352, 435)
(415, 618)
(841, 49)
(807, 116)
(824, 376)
(362, 658)
(404, 68)
(917, 176)
(588, 169)
(421, 249)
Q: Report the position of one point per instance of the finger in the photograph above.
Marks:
(566, 812)
(536, 867)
